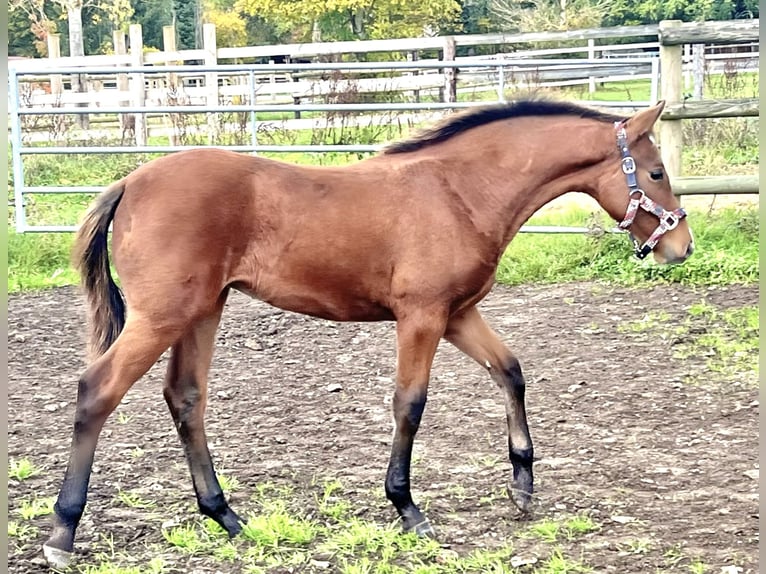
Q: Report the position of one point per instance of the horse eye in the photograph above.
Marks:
(656, 175)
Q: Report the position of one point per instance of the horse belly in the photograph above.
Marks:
(332, 304)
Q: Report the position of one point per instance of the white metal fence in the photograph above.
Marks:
(145, 101)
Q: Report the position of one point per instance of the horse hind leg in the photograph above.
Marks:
(186, 395)
(101, 388)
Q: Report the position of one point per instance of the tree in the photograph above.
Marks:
(354, 19)
(186, 17)
(230, 25)
(627, 12)
(41, 21)
(549, 15)
(152, 15)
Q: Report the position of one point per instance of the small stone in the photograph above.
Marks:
(334, 388)
(522, 560)
(253, 345)
(751, 474)
(623, 519)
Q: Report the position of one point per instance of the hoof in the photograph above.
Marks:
(56, 557)
(423, 530)
(522, 499)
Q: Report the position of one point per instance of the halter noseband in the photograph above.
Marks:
(668, 219)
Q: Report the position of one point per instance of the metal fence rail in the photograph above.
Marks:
(502, 68)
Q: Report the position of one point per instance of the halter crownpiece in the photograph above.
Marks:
(668, 219)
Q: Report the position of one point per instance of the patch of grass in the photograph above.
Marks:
(557, 563)
(279, 528)
(571, 527)
(727, 338)
(32, 508)
(21, 531)
(132, 499)
(228, 482)
(636, 546)
(579, 525)
(698, 567)
(330, 505)
(39, 260)
(726, 253)
(648, 322)
(185, 537)
(22, 469)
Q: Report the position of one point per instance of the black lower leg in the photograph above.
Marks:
(207, 489)
(520, 449)
(407, 415)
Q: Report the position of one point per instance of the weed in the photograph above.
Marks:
(278, 528)
(227, 552)
(21, 531)
(21, 469)
(124, 418)
(546, 529)
(185, 538)
(109, 568)
(329, 505)
(228, 483)
(646, 323)
(579, 525)
(35, 507)
(636, 546)
(698, 567)
(557, 563)
(132, 499)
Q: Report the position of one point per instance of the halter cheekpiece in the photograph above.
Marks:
(668, 219)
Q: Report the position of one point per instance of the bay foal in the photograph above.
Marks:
(412, 235)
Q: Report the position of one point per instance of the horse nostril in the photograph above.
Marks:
(690, 249)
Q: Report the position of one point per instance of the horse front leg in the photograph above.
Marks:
(471, 334)
(417, 339)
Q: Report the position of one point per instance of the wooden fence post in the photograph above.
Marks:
(211, 78)
(127, 121)
(591, 56)
(169, 45)
(138, 87)
(54, 52)
(698, 69)
(671, 133)
(450, 74)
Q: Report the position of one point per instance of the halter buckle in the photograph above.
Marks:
(670, 220)
(628, 165)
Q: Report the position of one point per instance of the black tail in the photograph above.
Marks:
(91, 257)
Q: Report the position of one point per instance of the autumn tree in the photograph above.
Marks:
(39, 18)
(309, 20)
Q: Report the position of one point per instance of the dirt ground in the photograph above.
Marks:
(619, 431)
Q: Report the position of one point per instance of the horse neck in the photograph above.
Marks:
(519, 175)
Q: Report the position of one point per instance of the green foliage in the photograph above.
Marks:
(726, 252)
(21, 469)
(186, 20)
(152, 15)
(34, 507)
(352, 19)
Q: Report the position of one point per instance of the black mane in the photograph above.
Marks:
(475, 117)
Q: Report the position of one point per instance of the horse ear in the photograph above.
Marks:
(641, 123)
